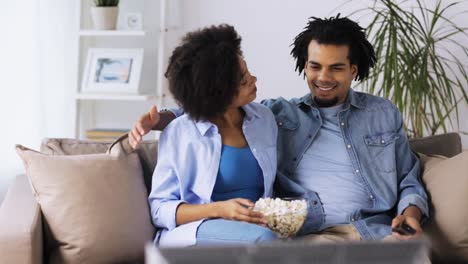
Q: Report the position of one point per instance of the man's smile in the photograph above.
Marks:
(325, 88)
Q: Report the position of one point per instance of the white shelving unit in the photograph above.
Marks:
(108, 110)
(111, 33)
(115, 97)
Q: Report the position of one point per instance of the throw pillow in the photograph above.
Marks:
(95, 205)
(147, 151)
(446, 181)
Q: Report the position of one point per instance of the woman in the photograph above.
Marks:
(220, 156)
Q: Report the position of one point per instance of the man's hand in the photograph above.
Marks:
(239, 209)
(143, 126)
(412, 217)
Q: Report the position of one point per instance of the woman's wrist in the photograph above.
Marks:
(213, 208)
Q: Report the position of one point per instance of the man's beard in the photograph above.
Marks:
(325, 102)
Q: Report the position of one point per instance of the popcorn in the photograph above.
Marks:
(285, 217)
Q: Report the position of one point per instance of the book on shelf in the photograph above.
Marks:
(105, 133)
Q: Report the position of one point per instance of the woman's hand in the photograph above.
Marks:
(239, 209)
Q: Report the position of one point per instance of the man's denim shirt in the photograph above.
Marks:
(372, 129)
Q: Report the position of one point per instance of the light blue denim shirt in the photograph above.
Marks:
(188, 162)
(376, 142)
(327, 161)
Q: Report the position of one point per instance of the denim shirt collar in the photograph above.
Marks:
(204, 126)
(352, 99)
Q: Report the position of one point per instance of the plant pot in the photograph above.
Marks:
(104, 18)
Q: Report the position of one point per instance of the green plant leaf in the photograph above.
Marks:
(420, 64)
(106, 3)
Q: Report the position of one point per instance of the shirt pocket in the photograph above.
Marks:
(381, 149)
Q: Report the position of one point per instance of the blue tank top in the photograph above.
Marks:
(239, 175)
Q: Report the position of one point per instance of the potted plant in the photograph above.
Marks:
(421, 64)
(104, 14)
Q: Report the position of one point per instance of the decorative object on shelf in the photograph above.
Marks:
(104, 14)
(102, 134)
(133, 21)
(112, 71)
(421, 61)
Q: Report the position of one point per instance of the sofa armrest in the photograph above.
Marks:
(21, 238)
(447, 145)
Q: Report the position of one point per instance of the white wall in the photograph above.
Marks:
(18, 71)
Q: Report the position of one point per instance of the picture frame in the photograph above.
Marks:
(112, 71)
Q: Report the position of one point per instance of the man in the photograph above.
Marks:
(347, 152)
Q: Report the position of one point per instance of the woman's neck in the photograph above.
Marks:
(232, 118)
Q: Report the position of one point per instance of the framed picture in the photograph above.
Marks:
(112, 71)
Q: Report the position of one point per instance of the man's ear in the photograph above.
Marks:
(354, 70)
(304, 70)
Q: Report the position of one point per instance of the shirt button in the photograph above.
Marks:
(349, 146)
(310, 136)
(280, 124)
(383, 141)
(357, 171)
(342, 124)
(295, 159)
(371, 197)
(254, 150)
(352, 219)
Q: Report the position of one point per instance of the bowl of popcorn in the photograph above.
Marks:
(285, 216)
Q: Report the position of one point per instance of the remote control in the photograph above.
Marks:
(404, 229)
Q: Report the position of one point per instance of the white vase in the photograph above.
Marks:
(104, 18)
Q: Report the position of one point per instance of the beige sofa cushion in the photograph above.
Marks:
(95, 205)
(147, 151)
(446, 180)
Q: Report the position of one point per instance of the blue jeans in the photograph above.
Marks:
(221, 231)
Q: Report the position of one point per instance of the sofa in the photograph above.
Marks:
(25, 235)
